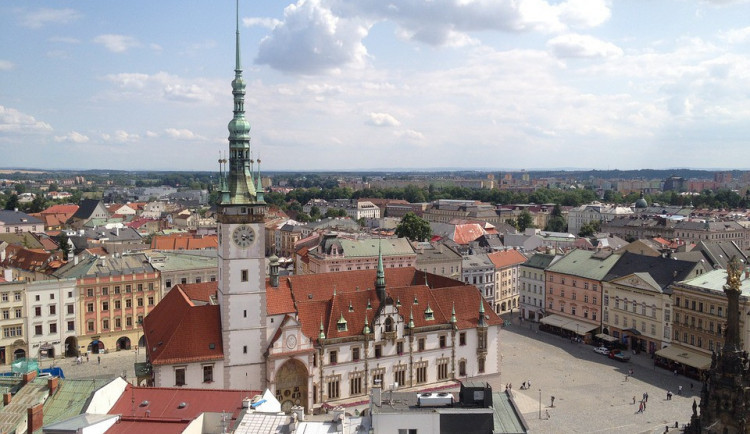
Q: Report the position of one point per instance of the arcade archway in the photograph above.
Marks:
(71, 347)
(291, 385)
(19, 354)
(123, 343)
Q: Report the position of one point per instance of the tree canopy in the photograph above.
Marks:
(414, 228)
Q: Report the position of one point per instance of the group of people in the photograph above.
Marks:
(526, 385)
(644, 400)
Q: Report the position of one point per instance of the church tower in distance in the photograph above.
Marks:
(240, 213)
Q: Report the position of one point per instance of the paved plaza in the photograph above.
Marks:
(113, 364)
(591, 392)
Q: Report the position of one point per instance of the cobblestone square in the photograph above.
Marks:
(592, 394)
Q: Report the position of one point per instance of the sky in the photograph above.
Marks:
(377, 84)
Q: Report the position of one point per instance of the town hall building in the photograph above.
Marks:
(310, 339)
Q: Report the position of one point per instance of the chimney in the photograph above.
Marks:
(35, 418)
(53, 383)
(6, 398)
(28, 377)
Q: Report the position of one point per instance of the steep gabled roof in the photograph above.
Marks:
(507, 258)
(180, 331)
(664, 271)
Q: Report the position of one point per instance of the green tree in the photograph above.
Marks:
(525, 221)
(20, 188)
(53, 187)
(414, 228)
(12, 202)
(38, 204)
(556, 221)
(315, 213)
(62, 241)
(590, 228)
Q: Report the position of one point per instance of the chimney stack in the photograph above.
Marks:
(53, 383)
(35, 418)
(6, 398)
(28, 377)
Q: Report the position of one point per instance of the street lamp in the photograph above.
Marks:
(540, 404)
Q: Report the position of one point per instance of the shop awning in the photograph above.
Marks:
(606, 337)
(579, 327)
(686, 356)
(554, 320)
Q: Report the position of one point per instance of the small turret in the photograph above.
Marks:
(453, 314)
(380, 278)
(482, 319)
(322, 334)
(274, 270)
(366, 331)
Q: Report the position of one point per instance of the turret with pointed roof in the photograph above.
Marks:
(238, 187)
(380, 278)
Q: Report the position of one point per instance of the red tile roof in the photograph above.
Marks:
(466, 233)
(507, 258)
(61, 209)
(184, 242)
(179, 331)
(164, 412)
(30, 259)
(315, 300)
(200, 291)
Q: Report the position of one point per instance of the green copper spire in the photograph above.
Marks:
(367, 326)
(482, 321)
(453, 313)
(380, 277)
(240, 189)
(411, 318)
(322, 334)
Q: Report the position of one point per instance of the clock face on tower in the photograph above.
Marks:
(243, 236)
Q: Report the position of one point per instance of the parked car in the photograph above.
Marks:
(619, 356)
(602, 350)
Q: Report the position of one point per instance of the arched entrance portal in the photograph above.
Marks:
(19, 354)
(71, 347)
(123, 343)
(96, 346)
(142, 341)
(291, 385)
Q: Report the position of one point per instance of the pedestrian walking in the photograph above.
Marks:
(640, 408)
(528, 384)
(675, 372)
(679, 390)
(633, 399)
(99, 359)
(669, 395)
(646, 396)
(552, 401)
(691, 386)
(87, 357)
(546, 412)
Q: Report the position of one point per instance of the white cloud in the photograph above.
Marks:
(116, 43)
(151, 134)
(575, 45)
(13, 121)
(410, 135)
(120, 136)
(382, 120)
(6, 65)
(163, 87)
(74, 137)
(311, 39)
(182, 134)
(155, 47)
(584, 13)
(268, 23)
(40, 17)
(736, 36)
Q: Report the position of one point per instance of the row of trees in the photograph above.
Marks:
(707, 199)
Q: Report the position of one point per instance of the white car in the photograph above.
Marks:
(602, 350)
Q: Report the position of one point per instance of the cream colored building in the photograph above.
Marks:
(14, 339)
